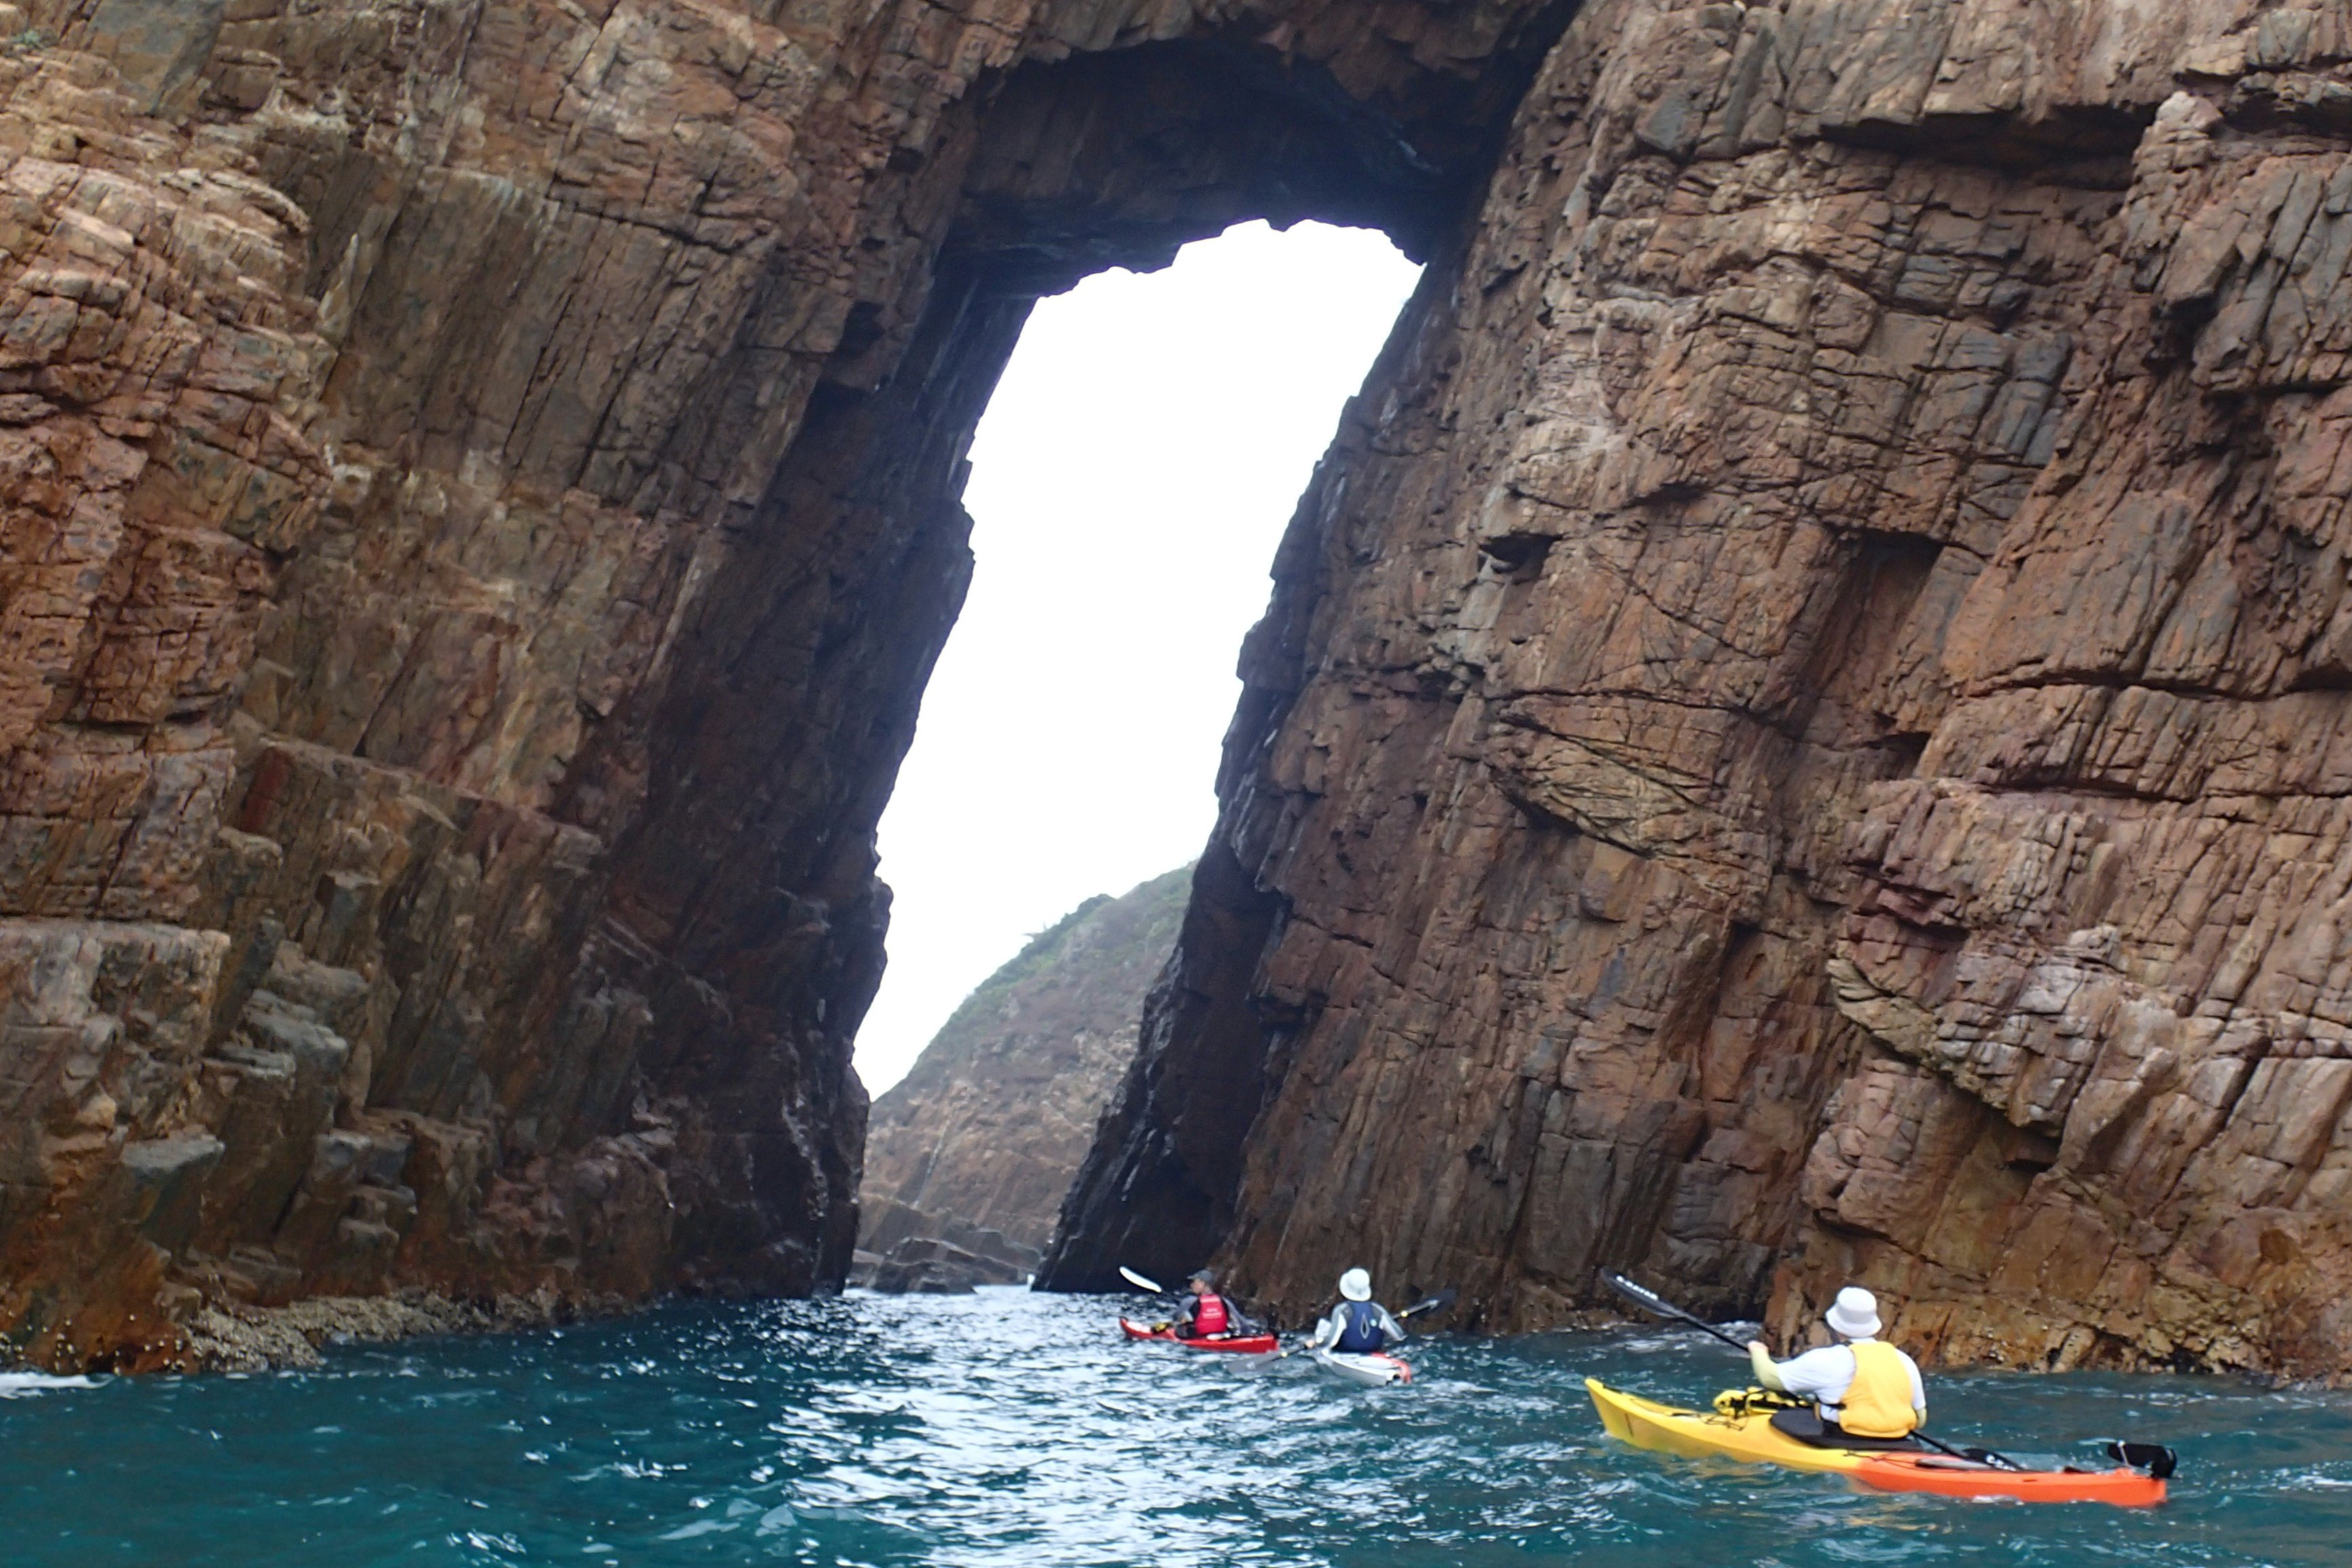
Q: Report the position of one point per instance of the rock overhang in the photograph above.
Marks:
(511, 608)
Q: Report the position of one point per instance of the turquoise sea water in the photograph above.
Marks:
(1009, 1428)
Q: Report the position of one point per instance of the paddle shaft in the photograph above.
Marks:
(1999, 1461)
(1444, 1299)
(1650, 1300)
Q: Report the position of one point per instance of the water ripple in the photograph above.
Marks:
(1008, 1428)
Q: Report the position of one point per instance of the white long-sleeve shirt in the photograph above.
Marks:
(1824, 1376)
(1329, 1331)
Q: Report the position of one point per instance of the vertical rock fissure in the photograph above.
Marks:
(1917, 423)
(493, 472)
(480, 505)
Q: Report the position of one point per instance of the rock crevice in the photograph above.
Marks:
(480, 490)
(1793, 739)
(1790, 743)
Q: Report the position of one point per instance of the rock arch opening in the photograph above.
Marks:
(750, 867)
(1130, 481)
(1134, 474)
(482, 642)
(1774, 681)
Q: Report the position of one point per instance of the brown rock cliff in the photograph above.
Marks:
(1796, 725)
(1797, 721)
(479, 488)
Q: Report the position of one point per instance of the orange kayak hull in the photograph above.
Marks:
(1957, 1478)
(1751, 1438)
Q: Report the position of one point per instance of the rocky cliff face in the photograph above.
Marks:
(1797, 723)
(990, 1125)
(479, 488)
(1795, 737)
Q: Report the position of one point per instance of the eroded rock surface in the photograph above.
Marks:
(986, 1131)
(1799, 721)
(936, 1266)
(1797, 725)
(479, 504)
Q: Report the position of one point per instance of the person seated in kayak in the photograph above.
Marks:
(1202, 1314)
(1358, 1325)
(1862, 1386)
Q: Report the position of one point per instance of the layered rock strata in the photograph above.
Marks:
(1796, 725)
(916, 1264)
(479, 483)
(1798, 722)
(985, 1132)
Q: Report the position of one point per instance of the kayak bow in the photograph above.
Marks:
(1751, 1438)
(1245, 1344)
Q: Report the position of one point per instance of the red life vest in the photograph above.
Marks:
(1209, 1318)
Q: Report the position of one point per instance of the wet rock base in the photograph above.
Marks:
(237, 1337)
(909, 1251)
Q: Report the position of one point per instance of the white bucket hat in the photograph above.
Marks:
(1855, 1313)
(1355, 1285)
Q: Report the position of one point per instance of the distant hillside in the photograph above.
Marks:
(988, 1129)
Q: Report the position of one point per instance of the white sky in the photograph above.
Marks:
(1129, 482)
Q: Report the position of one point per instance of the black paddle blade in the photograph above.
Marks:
(2156, 1459)
(1436, 1303)
(1648, 1300)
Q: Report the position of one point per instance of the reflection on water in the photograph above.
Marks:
(1008, 1428)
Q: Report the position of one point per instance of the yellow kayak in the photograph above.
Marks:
(1749, 1436)
(1703, 1434)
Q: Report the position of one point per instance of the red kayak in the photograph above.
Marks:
(1246, 1345)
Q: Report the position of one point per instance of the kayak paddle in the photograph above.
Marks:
(1436, 1303)
(1652, 1302)
(1146, 1282)
(1656, 1305)
(2156, 1459)
(1143, 1282)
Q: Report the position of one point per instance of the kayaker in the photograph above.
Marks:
(1358, 1325)
(1862, 1386)
(1202, 1314)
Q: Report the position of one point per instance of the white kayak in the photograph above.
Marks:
(1375, 1369)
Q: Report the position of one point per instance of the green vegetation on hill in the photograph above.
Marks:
(993, 1120)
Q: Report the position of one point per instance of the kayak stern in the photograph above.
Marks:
(1960, 1478)
(1374, 1371)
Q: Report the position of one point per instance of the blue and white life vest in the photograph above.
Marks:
(1359, 1329)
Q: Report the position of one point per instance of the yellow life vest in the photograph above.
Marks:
(1879, 1403)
